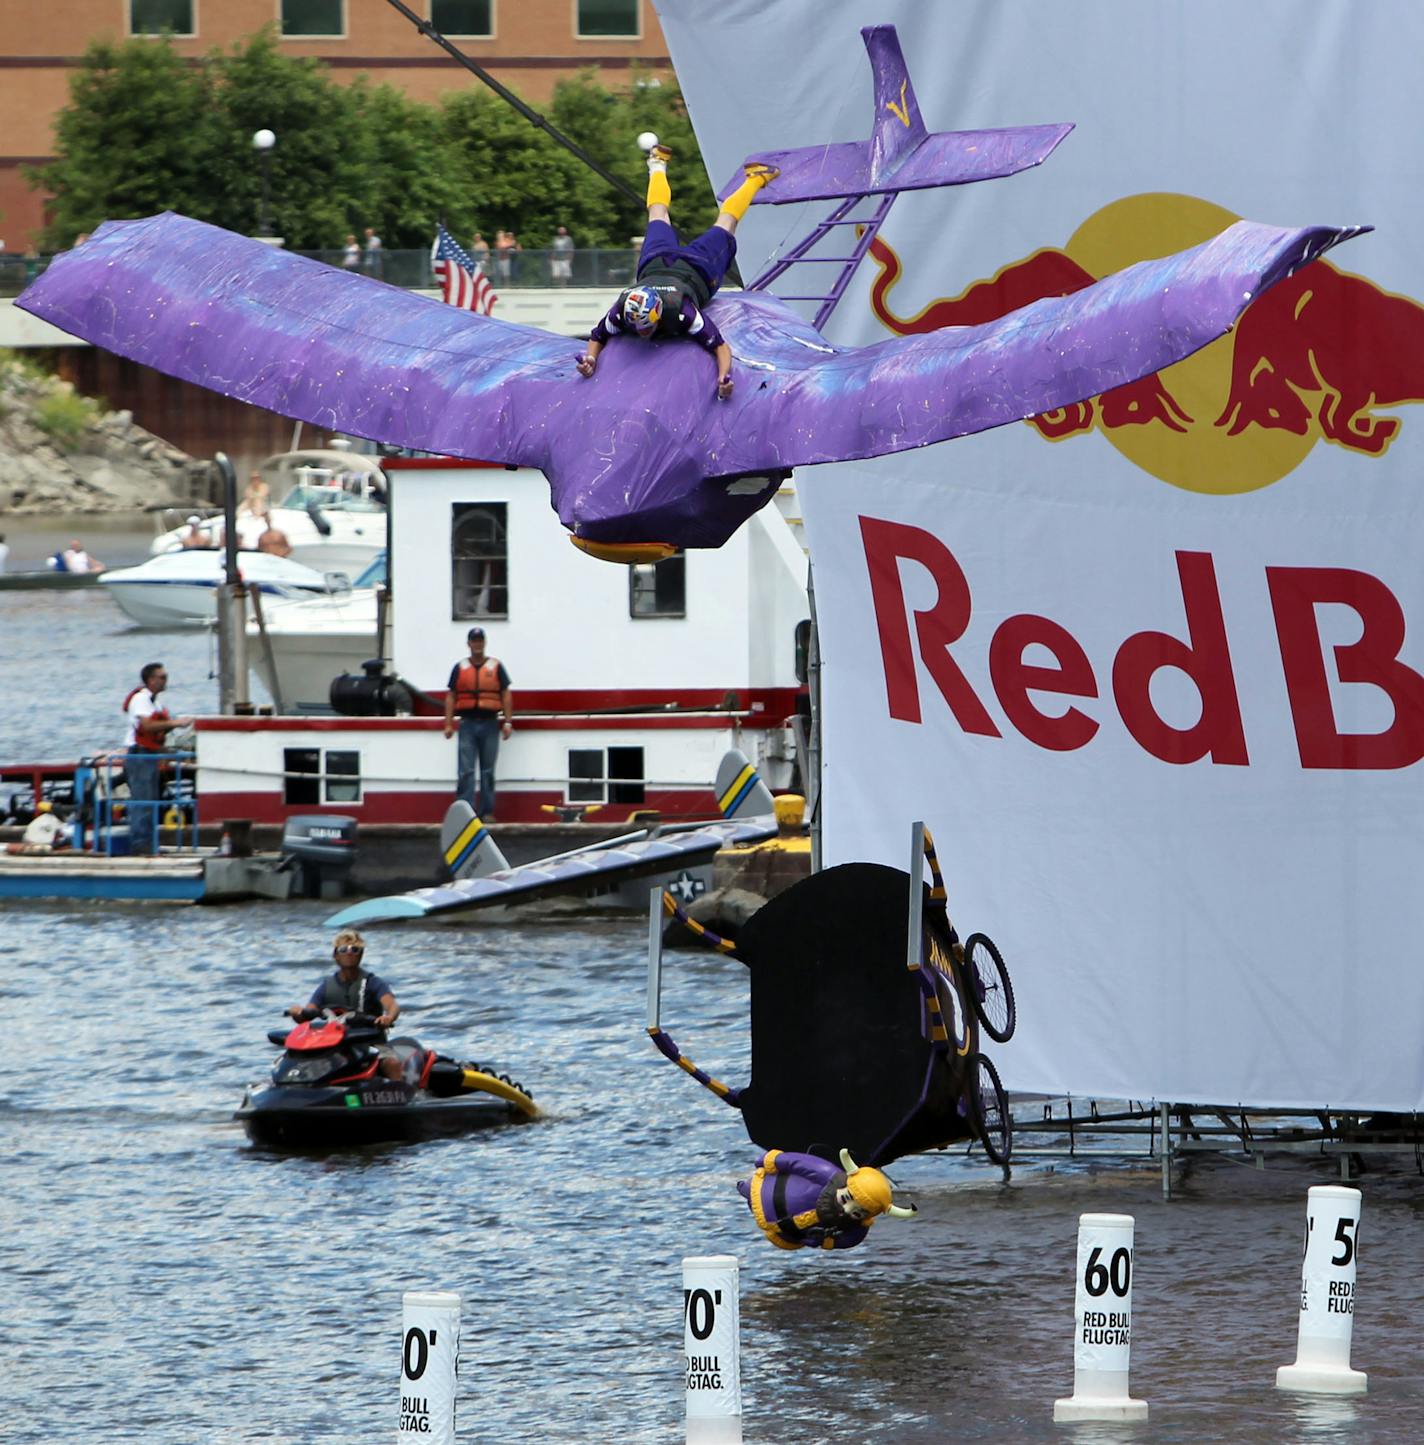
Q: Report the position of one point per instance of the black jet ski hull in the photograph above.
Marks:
(274, 1117)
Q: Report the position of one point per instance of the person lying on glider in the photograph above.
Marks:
(675, 282)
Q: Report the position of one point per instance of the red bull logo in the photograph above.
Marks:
(1316, 359)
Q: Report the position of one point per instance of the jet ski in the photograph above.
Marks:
(327, 1089)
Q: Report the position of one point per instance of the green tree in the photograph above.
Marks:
(148, 131)
(319, 179)
(131, 141)
(606, 124)
(409, 182)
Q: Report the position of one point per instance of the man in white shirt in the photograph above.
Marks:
(148, 728)
(4, 552)
(44, 832)
(76, 559)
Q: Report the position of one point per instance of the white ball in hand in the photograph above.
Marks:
(647, 140)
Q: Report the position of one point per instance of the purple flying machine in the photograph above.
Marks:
(645, 453)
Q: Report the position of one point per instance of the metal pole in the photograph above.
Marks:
(812, 782)
(655, 955)
(232, 621)
(915, 938)
(385, 595)
(1166, 1151)
(265, 225)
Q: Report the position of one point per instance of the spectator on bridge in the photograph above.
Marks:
(374, 262)
(351, 254)
(561, 258)
(479, 249)
(506, 243)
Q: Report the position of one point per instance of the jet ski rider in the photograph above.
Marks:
(675, 282)
(353, 990)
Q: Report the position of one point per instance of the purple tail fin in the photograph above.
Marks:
(898, 128)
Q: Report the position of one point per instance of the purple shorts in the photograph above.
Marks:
(711, 253)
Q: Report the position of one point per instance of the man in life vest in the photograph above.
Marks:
(675, 282)
(802, 1201)
(350, 989)
(478, 695)
(148, 727)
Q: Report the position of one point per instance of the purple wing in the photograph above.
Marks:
(908, 392)
(309, 341)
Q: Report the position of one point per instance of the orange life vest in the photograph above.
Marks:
(142, 739)
(477, 688)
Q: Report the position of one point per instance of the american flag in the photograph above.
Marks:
(461, 279)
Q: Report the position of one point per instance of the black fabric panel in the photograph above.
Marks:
(839, 1058)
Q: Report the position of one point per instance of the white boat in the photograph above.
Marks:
(329, 504)
(179, 589)
(311, 640)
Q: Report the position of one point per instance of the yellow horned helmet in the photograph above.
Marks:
(871, 1190)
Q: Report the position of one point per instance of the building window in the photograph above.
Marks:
(479, 560)
(658, 589)
(615, 776)
(343, 776)
(598, 19)
(313, 17)
(153, 17)
(463, 17)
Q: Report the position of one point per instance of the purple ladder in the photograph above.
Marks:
(797, 255)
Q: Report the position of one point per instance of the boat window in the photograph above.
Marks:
(479, 560)
(305, 770)
(585, 784)
(658, 589)
(375, 573)
(152, 17)
(614, 777)
(625, 774)
(301, 781)
(343, 776)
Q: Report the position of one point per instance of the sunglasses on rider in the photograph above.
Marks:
(347, 948)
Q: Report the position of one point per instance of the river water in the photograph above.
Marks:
(167, 1282)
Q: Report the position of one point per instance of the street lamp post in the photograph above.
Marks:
(262, 143)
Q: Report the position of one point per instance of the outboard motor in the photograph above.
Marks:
(320, 849)
(378, 694)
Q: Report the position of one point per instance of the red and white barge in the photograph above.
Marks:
(628, 683)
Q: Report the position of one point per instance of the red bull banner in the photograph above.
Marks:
(1151, 666)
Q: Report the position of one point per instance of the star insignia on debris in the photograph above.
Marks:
(685, 887)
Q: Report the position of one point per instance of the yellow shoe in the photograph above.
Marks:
(660, 153)
(764, 173)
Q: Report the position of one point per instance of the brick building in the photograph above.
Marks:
(528, 45)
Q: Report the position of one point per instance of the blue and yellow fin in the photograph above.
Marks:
(466, 845)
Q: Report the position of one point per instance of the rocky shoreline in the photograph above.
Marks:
(63, 454)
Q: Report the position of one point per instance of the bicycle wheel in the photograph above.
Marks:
(989, 1109)
(989, 988)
